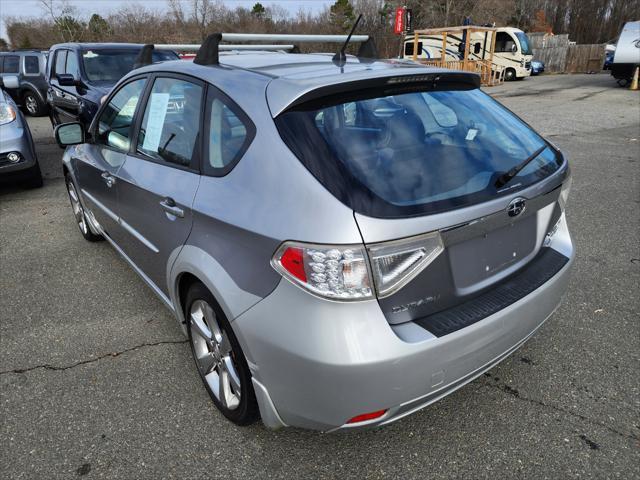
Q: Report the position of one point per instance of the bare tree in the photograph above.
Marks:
(204, 12)
(63, 15)
(586, 21)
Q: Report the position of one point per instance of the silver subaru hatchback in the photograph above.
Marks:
(343, 243)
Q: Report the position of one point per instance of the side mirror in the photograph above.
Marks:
(514, 48)
(69, 134)
(66, 80)
(10, 81)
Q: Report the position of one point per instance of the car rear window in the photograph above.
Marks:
(102, 65)
(416, 152)
(11, 64)
(31, 65)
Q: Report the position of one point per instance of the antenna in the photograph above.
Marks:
(145, 57)
(340, 58)
(208, 51)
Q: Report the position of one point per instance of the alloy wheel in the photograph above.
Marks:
(78, 211)
(31, 104)
(214, 355)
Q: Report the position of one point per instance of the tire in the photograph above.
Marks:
(509, 74)
(33, 105)
(34, 177)
(218, 357)
(78, 212)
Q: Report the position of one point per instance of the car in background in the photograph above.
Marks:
(537, 67)
(608, 59)
(30, 67)
(79, 75)
(18, 161)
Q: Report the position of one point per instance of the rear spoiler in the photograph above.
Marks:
(404, 80)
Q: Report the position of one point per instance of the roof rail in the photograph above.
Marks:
(210, 48)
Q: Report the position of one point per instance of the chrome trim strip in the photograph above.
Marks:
(483, 225)
(138, 236)
(100, 205)
(146, 279)
(120, 221)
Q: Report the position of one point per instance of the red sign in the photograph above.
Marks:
(398, 24)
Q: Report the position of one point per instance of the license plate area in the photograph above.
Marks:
(475, 260)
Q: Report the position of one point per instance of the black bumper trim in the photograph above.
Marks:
(540, 270)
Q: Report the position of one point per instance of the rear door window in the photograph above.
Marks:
(31, 65)
(11, 64)
(171, 122)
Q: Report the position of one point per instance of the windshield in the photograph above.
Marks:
(417, 152)
(524, 43)
(112, 65)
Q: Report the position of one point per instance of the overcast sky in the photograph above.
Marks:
(31, 8)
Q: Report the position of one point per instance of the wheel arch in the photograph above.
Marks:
(188, 264)
(30, 88)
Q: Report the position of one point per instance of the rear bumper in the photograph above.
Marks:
(320, 363)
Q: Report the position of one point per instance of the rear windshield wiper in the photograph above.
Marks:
(507, 176)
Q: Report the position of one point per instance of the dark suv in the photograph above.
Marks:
(30, 67)
(80, 74)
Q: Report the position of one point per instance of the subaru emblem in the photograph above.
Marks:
(516, 206)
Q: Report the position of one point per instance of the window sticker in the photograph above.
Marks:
(471, 134)
(129, 108)
(155, 121)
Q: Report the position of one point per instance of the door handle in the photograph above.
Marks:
(108, 179)
(169, 206)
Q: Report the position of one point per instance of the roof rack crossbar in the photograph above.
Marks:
(224, 47)
(208, 52)
(264, 37)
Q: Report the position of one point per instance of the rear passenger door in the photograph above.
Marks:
(160, 177)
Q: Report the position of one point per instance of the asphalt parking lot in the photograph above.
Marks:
(97, 381)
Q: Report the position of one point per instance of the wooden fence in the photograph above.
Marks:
(585, 58)
(561, 57)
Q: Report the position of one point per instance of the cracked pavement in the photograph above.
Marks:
(96, 379)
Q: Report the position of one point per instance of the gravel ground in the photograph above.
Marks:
(96, 380)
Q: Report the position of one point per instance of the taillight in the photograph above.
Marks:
(335, 272)
(340, 272)
(396, 263)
